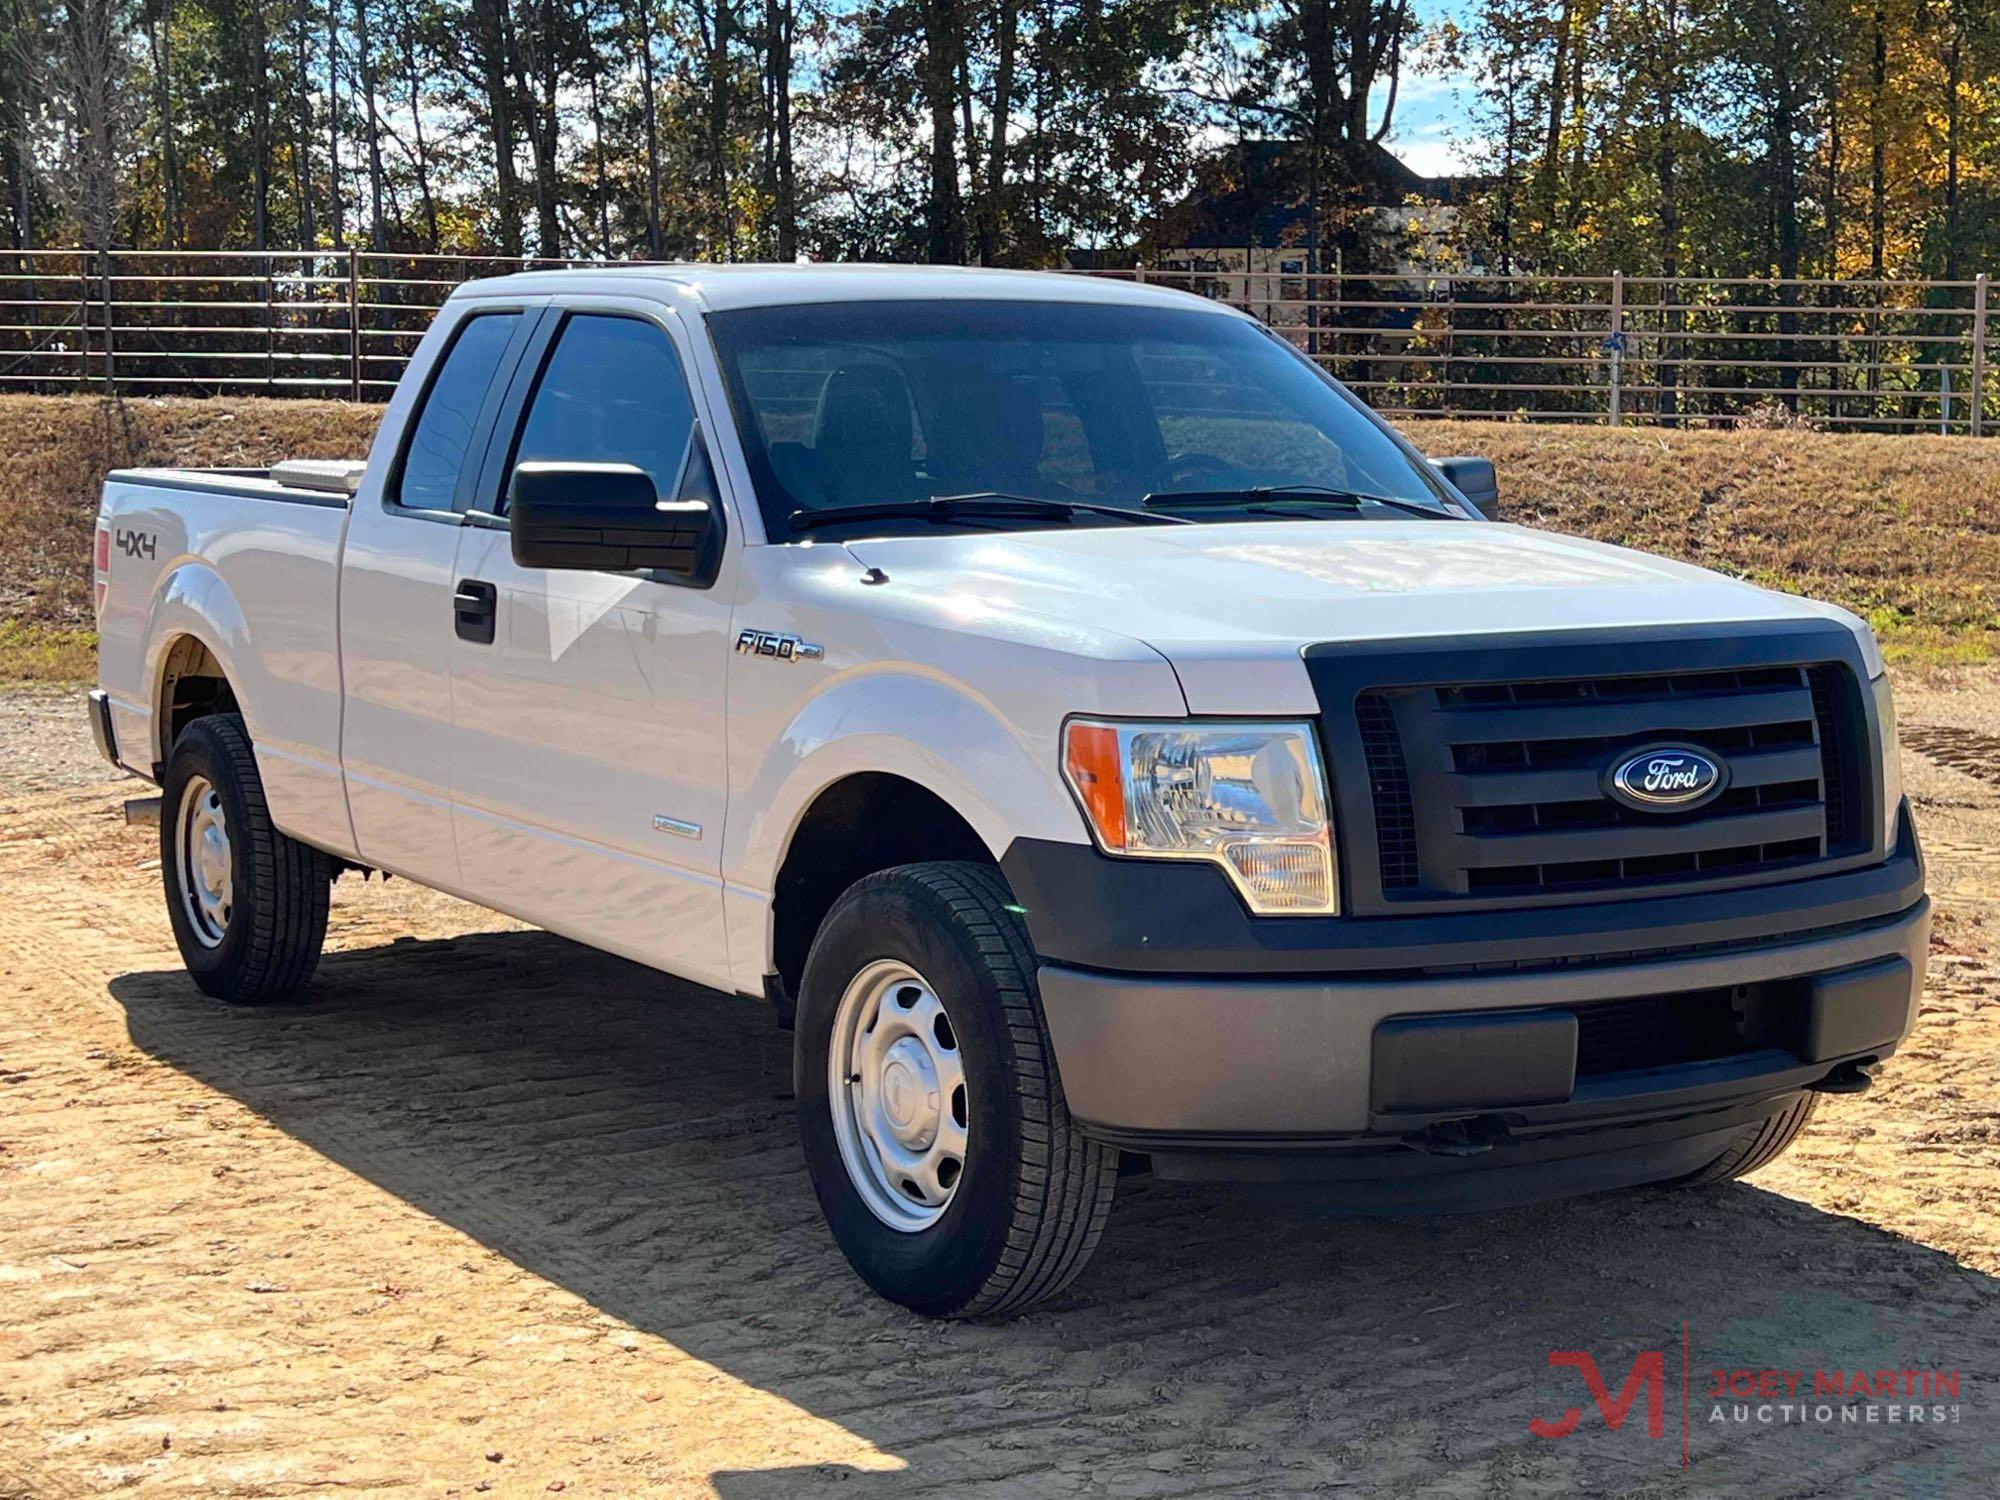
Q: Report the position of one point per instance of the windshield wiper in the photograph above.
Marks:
(995, 503)
(1311, 494)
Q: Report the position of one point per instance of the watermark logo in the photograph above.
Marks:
(1648, 1376)
(1745, 1396)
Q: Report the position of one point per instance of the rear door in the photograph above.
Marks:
(589, 783)
(396, 610)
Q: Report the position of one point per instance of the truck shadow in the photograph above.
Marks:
(631, 1140)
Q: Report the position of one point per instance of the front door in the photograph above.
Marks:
(588, 781)
(396, 577)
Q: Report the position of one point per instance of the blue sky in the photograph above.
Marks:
(1432, 111)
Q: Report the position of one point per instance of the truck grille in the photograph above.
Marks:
(1493, 789)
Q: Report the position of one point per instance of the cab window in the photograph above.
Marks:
(435, 455)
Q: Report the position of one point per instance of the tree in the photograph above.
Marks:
(85, 77)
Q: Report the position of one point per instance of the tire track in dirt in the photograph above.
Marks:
(488, 1191)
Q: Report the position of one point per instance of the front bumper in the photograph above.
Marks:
(1352, 1072)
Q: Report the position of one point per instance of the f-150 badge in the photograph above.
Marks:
(777, 647)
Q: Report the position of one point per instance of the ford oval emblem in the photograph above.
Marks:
(1666, 778)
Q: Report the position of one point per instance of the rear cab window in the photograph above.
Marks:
(431, 474)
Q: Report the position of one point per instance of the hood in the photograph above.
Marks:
(1232, 604)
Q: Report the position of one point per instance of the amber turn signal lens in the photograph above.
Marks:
(1090, 755)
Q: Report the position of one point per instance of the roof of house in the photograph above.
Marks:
(1260, 190)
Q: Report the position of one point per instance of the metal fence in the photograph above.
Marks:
(1883, 355)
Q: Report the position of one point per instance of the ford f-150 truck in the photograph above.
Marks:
(1097, 735)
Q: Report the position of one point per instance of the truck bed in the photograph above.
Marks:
(247, 564)
(325, 482)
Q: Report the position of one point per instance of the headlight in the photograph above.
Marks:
(1892, 758)
(1248, 797)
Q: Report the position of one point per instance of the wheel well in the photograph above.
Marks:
(864, 823)
(191, 686)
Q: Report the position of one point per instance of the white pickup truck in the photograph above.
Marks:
(1097, 735)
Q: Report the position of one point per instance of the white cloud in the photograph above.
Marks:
(1432, 157)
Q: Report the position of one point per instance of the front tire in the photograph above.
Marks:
(934, 1125)
(1758, 1145)
(248, 905)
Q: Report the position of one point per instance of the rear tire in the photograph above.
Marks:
(1011, 1210)
(1758, 1145)
(248, 905)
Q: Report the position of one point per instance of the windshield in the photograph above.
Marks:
(884, 403)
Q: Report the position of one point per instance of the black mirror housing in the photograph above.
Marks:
(1475, 479)
(607, 518)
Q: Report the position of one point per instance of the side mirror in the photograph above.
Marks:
(1473, 478)
(606, 518)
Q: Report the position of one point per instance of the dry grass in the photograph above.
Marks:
(56, 450)
(1903, 529)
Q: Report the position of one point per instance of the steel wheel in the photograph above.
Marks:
(897, 1087)
(207, 886)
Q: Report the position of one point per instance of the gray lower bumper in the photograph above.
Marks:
(1233, 1063)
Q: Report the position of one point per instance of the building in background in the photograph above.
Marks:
(1244, 233)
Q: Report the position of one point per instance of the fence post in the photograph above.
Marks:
(1450, 328)
(1139, 272)
(104, 289)
(1616, 340)
(354, 321)
(1978, 352)
(270, 326)
(83, 324)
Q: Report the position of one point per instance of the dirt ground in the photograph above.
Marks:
(492, 1214)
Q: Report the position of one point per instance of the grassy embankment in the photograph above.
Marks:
(55, 451)
(1905, 530)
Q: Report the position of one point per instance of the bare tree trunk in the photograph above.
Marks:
(260, 132)
(85, 83)
(597, 150)
(489, 19)
(333, 123)
(1878, 181)
(780, 22)
(1573, 205)
(1666, 63)
(971, 135)
(363, 41)
(535, 70)
(938, 74)
(1558, 83)
(159, 33)
(1954, 83)
(720, 35)
(302, 139)
(24, 206)
(1007, 24)
(1833, 169)
(1878, 186)
(548, 137)
(655, 248)
(423, 164)
(1785, 205)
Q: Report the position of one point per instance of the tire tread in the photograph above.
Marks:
(1757, 1146)
(291, 881)
(1064, 1182)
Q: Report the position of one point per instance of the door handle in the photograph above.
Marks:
(474, 605)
